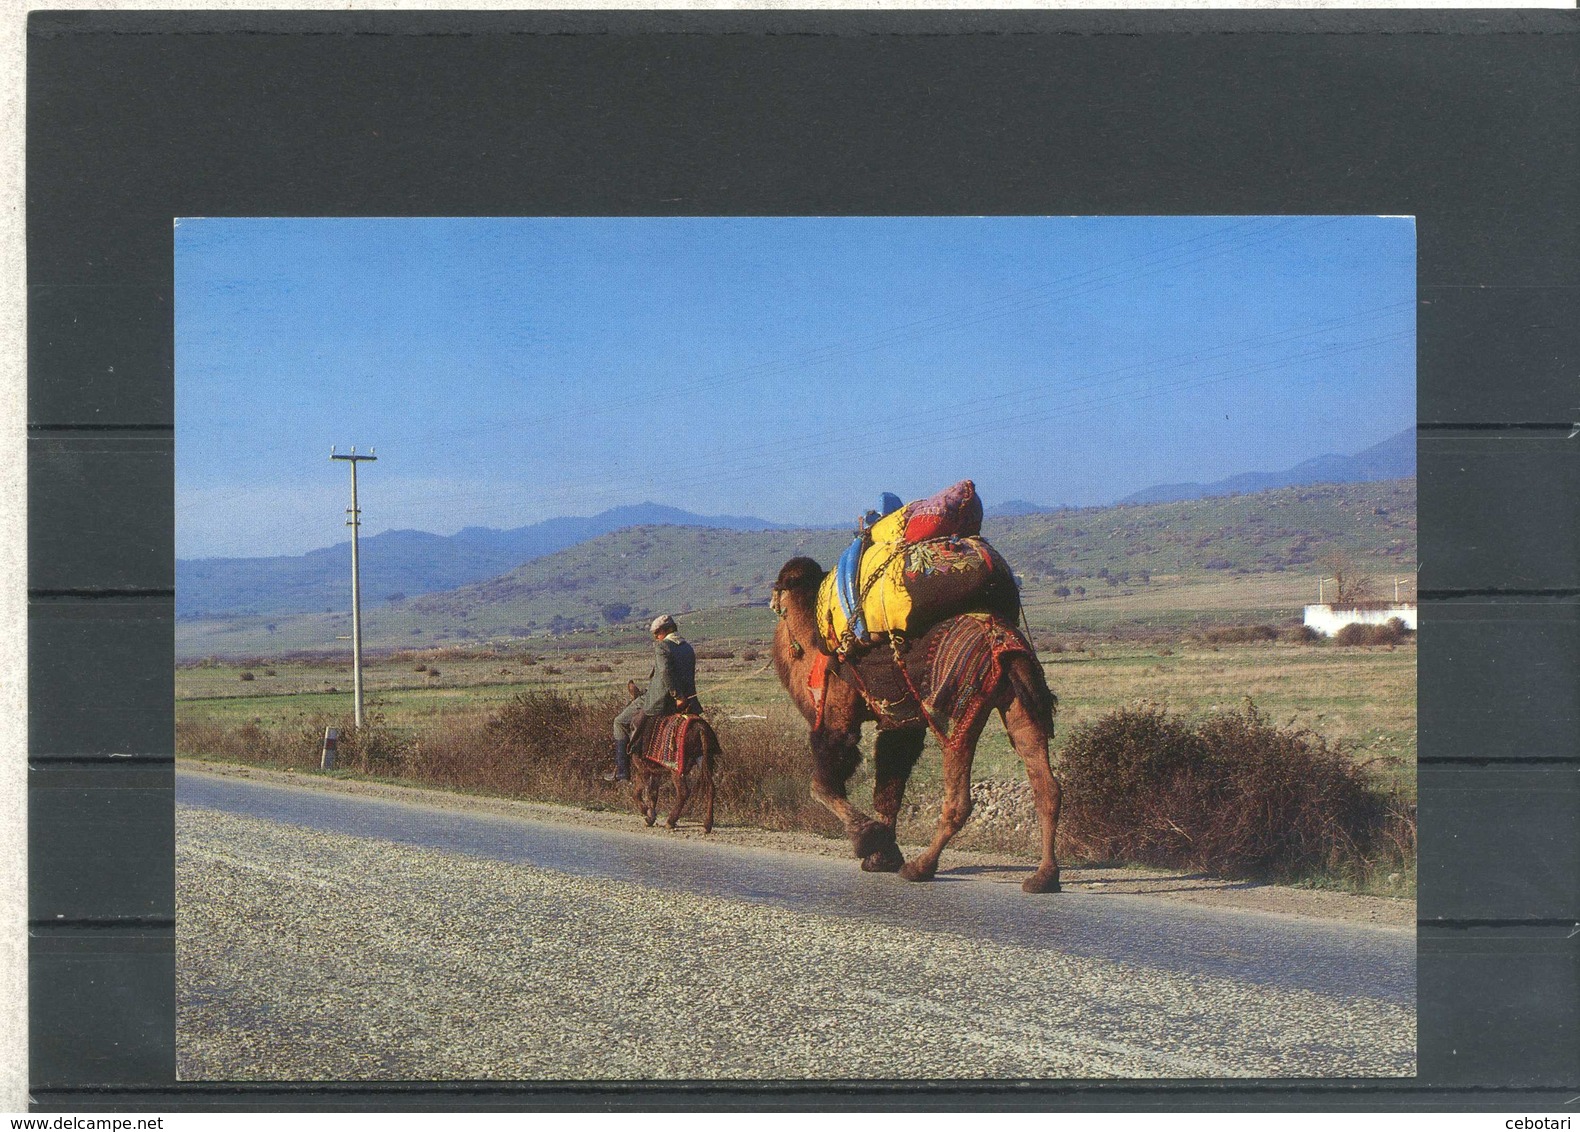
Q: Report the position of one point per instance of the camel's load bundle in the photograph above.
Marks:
(911, 566)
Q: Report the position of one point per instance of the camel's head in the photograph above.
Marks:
(795, 595)
(800, 578)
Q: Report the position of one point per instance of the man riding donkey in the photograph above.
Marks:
(672, 688)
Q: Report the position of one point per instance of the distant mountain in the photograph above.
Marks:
(1013, 508)
(406, 562)
(618, 581)
(1392, 459)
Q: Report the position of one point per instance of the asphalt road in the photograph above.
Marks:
(330, 936)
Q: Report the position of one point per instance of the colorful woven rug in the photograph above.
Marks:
(954, 667)
(963, 664)
(664, 740)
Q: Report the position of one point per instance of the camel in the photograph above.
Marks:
(1021, 697)
(701, 749)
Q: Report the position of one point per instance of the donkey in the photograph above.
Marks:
(699, 748)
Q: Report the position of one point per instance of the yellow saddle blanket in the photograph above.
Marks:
(903, 585)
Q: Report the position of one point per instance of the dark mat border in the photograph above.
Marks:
(1463, 119)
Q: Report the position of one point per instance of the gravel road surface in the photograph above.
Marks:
(330, 936)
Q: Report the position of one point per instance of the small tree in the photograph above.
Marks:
(615, 612)
(1349, 584)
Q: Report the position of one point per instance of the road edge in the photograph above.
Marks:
(1386, 913)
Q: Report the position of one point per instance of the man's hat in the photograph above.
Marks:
(662, 623)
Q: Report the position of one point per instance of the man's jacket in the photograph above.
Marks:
(674, 677)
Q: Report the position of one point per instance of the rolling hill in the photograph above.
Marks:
(1393, 458)
(621, 578)
(404, 562)
(401, 564)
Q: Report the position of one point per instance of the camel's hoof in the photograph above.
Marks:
(1040, 881)
(671, 825)
(875, 837)
(707, 827)
(914, 870)
(649, 820)
(888, 860)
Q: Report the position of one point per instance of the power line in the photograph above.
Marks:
(1059, 412)
(900, 427)
(968, 420)
(1171, 257)
(748, 458)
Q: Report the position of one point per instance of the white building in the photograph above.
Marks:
(1329, 618)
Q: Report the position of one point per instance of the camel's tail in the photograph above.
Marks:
(1031, 688)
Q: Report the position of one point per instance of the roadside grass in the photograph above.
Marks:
(1361, 701)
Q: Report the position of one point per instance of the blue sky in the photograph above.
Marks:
(513, 370)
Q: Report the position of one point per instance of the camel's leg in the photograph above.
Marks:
(681, 794)
(956, 809)
(1030, 739)
(957, 802)
(896, 754)
(835, 757)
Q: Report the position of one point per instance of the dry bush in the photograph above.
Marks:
(1300, 635)
(543, 744)
(1232, 795)
(715, 654)
(298, 747)
(550, 745)
(1390, 632)
(1239, 634)
(246, 676)
(1353, 634)
(764, 777)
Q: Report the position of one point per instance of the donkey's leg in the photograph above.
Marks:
(682, 792)
(647, 796)
(1030, 738)
(896, 754)
(705, 769)
(835, 757)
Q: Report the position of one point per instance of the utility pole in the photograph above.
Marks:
(354, 523)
